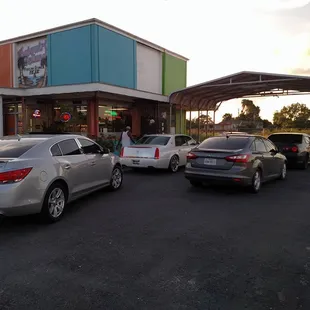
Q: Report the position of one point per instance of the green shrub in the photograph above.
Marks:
(106, 143)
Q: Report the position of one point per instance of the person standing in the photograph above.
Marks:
(126, 138)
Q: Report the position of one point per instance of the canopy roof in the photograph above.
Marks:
(245, 84)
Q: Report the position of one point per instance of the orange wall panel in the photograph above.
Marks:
(6, 66)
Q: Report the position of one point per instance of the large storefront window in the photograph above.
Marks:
(59, 116)
(113, 118)
(154, 118)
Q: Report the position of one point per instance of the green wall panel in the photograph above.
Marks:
(180, 122)
(174, 74)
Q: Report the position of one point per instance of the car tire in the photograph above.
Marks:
(256, 182)
(195, 183)
(174, 164)
(116, 179)
(283, 173)
(54, 203)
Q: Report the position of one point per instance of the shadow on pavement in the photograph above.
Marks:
(230, 189)
(150, 171)
(28, 223)
(22, 224)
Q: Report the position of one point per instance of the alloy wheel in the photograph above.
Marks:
(257, 181)
(56, 202)
(117, 178)
(284, 171)
(174, 164)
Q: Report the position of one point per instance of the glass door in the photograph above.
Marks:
(12, 119)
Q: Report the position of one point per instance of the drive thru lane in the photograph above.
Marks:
(160, 244)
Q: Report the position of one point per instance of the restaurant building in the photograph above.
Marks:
(89, 78)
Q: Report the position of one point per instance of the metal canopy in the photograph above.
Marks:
(245, 84)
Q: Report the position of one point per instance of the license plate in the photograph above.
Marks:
(136, 162)
(210, 161)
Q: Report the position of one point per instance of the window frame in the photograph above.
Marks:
(182, 137)
(266, 141)
(58, 148)
(188, 138)
(74, 139)
(260, 152)
(252, 146)
(91, 141)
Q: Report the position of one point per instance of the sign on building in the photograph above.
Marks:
(31, 66)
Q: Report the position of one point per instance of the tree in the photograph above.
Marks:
(296, 115)
(205, 119)
(250, 112)
(227, 117)
(267, 124)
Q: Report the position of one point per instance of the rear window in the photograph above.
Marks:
(154, 140)
(14, 149)
(286, 138)
(223, 143)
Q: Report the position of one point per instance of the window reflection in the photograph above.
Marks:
(57, 117)
(114, 118)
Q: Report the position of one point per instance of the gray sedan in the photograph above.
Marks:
(41, 174)
(245, 160)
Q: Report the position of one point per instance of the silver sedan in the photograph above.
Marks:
(41, 174)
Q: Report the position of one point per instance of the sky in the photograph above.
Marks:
(219, 37)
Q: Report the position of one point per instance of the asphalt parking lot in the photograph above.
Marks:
(160, 244)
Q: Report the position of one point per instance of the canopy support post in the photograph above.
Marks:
(214, 122)
(190, 118)
(170, 117)
(207, 131)
(181, 118)
(198, 124)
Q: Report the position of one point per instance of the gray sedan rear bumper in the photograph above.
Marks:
(217, 177)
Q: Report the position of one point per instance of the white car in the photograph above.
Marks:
(158, 151)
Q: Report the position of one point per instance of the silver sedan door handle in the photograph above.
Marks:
(67, 167)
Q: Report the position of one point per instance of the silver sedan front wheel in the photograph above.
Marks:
(116, 178)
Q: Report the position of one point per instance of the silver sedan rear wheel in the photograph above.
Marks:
(55, 202)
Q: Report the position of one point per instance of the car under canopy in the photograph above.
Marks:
(209, 95)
